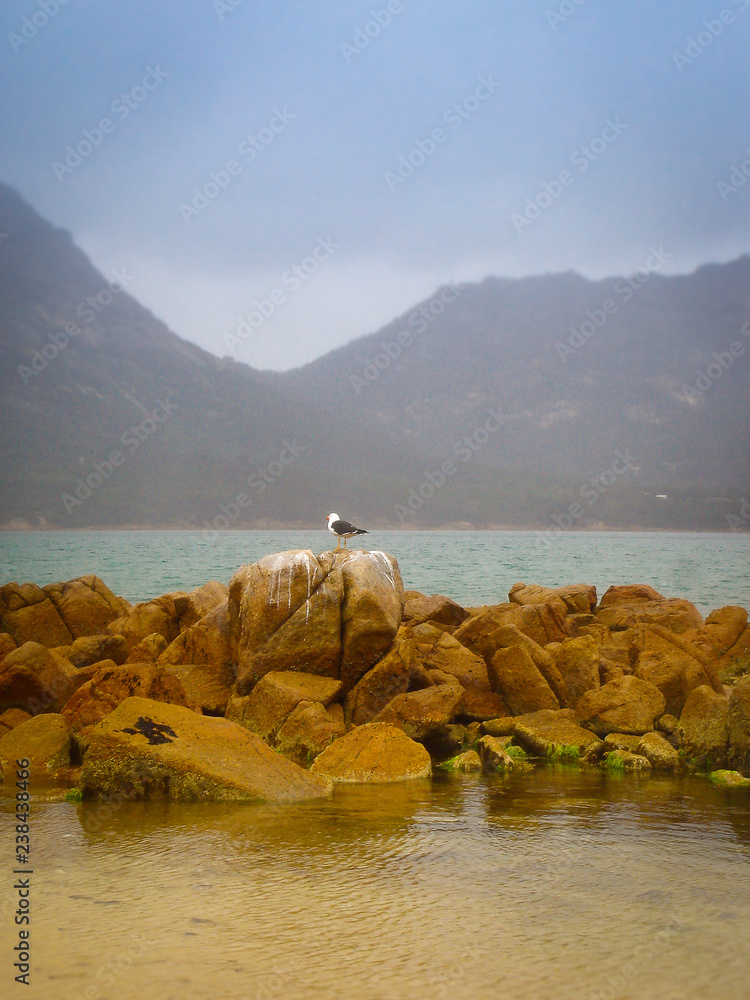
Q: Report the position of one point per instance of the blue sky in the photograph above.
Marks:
(325, 120)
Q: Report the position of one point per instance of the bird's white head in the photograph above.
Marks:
(331, 518)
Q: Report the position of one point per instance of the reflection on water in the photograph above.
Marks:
(559, 884)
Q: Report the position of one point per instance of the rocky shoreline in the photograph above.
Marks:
(306, 671)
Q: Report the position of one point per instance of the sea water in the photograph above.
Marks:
(472, 567)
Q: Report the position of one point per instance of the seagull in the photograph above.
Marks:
(342, 529)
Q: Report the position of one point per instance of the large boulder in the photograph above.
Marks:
(334, 615)
(675, 673)
(627, 705)
(147, 749)
(205, 642)
(86, 605)
(423, 715)
(372, 753)
(578, 598)
(28, 615)
(439, 651)
(276, 695)
(34, 679)
(623, 607)
(721, 630)
(44, 741)
(308, 730)
(551, 733)
(91, 649)
(157, 617)
(578, 661)
(704, 728)
(111, 685)
(739, 727)
(388, 678)
(435, 608)
(660, 753)
(11, 718)
(193, 606)
(516, 678)
(206, 686)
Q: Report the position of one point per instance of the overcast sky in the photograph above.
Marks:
(318, 103)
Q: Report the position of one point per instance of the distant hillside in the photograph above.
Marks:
(224, 421)
(527, 432)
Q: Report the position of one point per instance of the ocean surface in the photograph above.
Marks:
(561, 884)
(472, 567)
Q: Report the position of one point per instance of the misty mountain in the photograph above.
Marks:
(509, 402)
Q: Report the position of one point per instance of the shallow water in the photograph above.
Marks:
(555, 885)
(472, 567)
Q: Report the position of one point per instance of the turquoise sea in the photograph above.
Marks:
(472, 567)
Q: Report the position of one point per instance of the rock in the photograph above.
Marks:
(86, 605)
(505, 636)
(628, 705)
(669, 725)
(737, 657)
(43, 740)
(469, 760)
(209, 687)
(91, 649)
(622, 741)
(28, 615)
(656, 639)
(388, 678)
(423, 715)
(578, 663)
(206, 642)
(7, 644)
(375, 752)
(33, 679)
(621, 760)
(147, 749)
(553, 734)
(721, 630)
(630, 593)
(151, 617)
(579, 598)
(335, 615)
(148, 650)
(11, 718)
(729, 779)
(738, 754)
(504, 726)
(276, 695)
(308, 730)
(433, 609)
(110, 686)
(704, 728)
(543, 623)
(623, 607)
(674, 673)
(493, 755)
(514, 676)
(191, 608)
(660, 753)
(440, 652)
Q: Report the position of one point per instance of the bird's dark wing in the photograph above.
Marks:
(345, 528)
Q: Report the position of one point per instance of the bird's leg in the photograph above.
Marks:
(339, 543)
